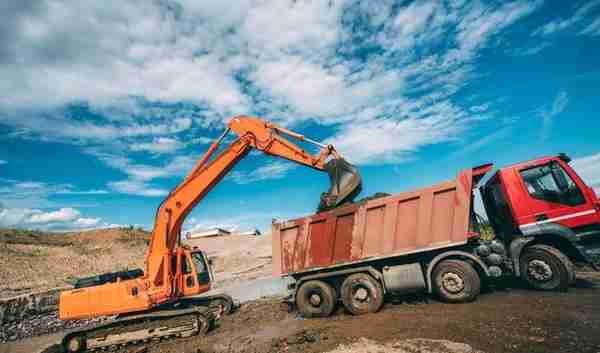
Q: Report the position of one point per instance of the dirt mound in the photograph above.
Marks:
(406, 346)
(35, 261)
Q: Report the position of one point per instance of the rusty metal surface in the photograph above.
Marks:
(409, 222)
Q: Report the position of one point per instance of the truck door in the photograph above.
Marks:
(555, 195)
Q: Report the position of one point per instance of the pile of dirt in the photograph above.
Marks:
(237, 257)
(364, 345)
(32, 261)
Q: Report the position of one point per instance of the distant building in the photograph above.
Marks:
(254, 233)
(216, 232)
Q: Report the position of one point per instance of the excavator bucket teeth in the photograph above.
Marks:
(345, 181)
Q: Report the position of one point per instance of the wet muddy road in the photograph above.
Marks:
(504, 320)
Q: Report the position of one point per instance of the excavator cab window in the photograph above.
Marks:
(202, 270)
(185, 265)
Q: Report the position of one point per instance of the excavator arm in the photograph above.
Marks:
(252, 133)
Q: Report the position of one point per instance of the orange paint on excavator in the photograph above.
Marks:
(174, 272)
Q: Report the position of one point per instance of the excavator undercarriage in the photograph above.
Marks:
(156, 325)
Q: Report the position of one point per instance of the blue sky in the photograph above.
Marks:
(104, 106)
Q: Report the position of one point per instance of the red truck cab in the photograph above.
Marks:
(545, 201)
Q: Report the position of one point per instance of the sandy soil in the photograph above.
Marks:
(237, 258)
(505, 320)
(38, 263)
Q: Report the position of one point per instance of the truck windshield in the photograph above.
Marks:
(201, 268)
(542, 185)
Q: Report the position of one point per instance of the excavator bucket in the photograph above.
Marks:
(345, 181)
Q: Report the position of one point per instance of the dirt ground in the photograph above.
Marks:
(35, 261)
(32, 261)
(237, 258)
(502, 320)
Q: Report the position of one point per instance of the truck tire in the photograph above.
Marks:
(316, 299)
(362, 294)
(73, 344)
(546, 268)
(456, 281)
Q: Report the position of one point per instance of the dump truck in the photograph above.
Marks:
(543, 218)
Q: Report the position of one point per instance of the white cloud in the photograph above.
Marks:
(578, 16)
(273, 170)
(480, 108)
(63, 219)
(238, 222)
(136, 187)
(392, 140)
(588, 169)
(82, 192)
(593, 29)
(24, 194)
(481, 22)
(529, 50)
(558, 106)
(88, 222)
(158, 145)
(295, 61)
(62, 215)
(139, 176)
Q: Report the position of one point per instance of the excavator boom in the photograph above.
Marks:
(252, 133)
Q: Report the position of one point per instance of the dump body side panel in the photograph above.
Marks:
(409, 222)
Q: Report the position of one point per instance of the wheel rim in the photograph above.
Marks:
(361, 294)
(74, 344)
(540, 270)
(315, 300)
(452, 282)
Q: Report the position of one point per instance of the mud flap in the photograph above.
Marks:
(345, 184)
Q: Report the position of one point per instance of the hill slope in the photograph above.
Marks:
(32, 261)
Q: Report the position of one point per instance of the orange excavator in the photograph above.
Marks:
(169, 299)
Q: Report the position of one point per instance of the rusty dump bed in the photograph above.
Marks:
(409, 222)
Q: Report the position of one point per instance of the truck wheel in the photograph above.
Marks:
(546, 268)
(316, 299)
(362, 294)
(74, 344)
(456, 281)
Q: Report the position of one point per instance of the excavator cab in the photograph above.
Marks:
(193, 272)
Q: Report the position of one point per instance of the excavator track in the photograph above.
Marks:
(158, 325)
